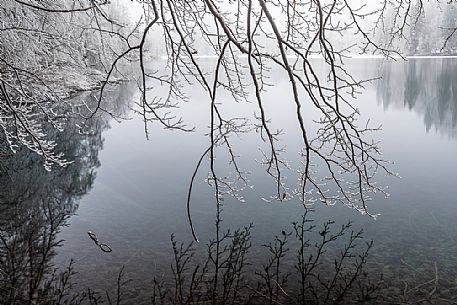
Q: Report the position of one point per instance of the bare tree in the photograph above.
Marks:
(249, 40)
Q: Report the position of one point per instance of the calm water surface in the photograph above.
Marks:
(139, 193)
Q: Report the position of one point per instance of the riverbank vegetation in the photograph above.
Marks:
(49, 51)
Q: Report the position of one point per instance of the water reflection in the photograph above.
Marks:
(429, 87)
(35, 204)
(138, 198)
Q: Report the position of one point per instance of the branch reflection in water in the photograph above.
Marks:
(35, 204)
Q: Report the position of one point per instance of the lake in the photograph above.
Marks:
(137, 193)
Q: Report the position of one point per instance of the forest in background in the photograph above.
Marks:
(431, 29)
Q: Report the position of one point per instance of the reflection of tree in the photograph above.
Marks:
(428, 87)
(411, 86)
(35, 204)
